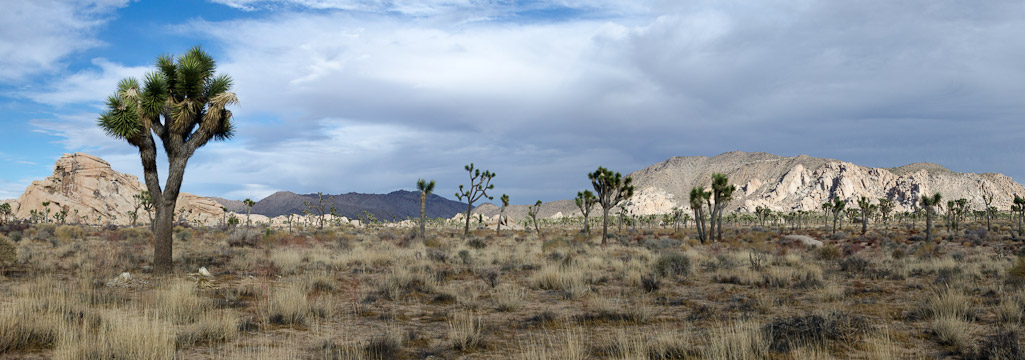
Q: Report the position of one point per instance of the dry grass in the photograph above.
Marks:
(374, 294)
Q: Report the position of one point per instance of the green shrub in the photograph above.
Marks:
(672, 264)
(8, 253)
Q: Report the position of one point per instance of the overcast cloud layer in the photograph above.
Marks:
(368, 96)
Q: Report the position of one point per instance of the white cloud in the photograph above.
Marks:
(36, 35)
(89, 86)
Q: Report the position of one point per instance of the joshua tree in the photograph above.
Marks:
(249, 203)
(957, 211)
(1019, 208)
(611, 189)
(988, 199)
(532, 213)
(722, 191)
(46, 209)
(224, 216)
(320, 209)
(184, 104)
(480, 183)
(501, 213)
(585, 201)
(836, 206)
(697, 195)
(929, 203)
(426, 188)
(677, 218)
(885, 208)
(5, 213)
(867, 209)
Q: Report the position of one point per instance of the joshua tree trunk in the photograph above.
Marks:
(928, 224)
(864, 222)
(466, 229)
(423, 215)
(605, 225)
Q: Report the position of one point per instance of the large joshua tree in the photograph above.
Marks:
(722, 192)
(480, 183)
(585, 201)
(532, 212)
(929, 203)
(501, 214)
(249, 203)
(426, 188)
(183, 104)
(611, 188)
(885, 208)
(697, 196)
(1018, 207)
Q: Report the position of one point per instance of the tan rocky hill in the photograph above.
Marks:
(87, 187)
(804, 183)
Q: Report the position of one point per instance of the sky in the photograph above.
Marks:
(368, 96)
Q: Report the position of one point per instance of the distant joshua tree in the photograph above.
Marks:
(426, 188)
(929, 203)
(611, 189)
(885, 208)
(480, 183)
(249, 203)
(988, 200)
(836, 207)
(722, 191)
(319, 208)
(698, 195)
(5, 213)
(501, 213)
(867, 210)
(585, 202)
(184, 104)
(532, 212)
(46, 209)
(1019, 208)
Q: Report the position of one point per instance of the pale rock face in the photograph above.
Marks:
(804, 183)
(651, 200)
(86, 186)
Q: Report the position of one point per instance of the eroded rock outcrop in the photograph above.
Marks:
(92, 192)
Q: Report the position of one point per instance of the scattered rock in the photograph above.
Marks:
(122, 280)
(803, 240)
(203, 271)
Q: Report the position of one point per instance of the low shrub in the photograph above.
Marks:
(672, 264)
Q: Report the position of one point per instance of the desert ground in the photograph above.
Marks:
(86, 292)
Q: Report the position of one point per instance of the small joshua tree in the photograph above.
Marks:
(426, 188)
(836, 207)
(585, 202)
(224, 216)
(46, 209)
(1019, 208)
(929, 203)
(501, 213)
(885, 208)
(532, 212)
(611, 189)
(867, 209)
(249, 203)
(480, 183)
(698, 196)
(722, 191)
(319, 208)
(988, 200)
(5, 213)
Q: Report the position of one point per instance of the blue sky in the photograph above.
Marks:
(370, 95)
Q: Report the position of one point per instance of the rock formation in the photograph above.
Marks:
(87, 187)
(804, 183)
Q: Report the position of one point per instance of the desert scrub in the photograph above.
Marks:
(180, 303)
(465, 331)
(8, 253)
(508, 297)
(288, 306)
(120, 336)
(672, 265)
(66, 233)
(737, 341)
(212, 327)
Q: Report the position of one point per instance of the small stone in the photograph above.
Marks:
(203, 271)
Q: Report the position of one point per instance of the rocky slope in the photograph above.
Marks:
(87, 187)
(804, 183)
